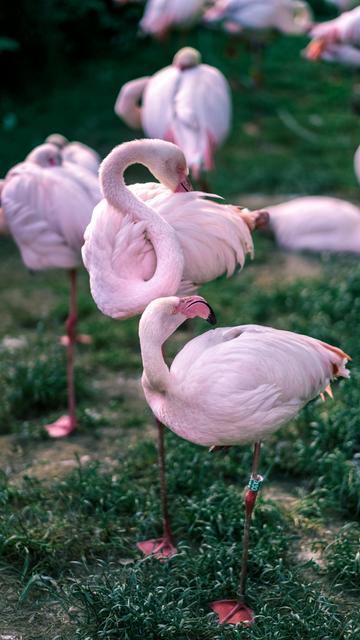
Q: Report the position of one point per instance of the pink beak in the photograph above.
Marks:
(184, 185)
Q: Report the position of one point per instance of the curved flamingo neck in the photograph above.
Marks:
(154, 329)
(169, 257)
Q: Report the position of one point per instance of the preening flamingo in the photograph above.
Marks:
(187, 103)
(160, 16)
(316, 223)
(231, 386)
(47, 212)
(345, 30)
(76, 152)
(147, 240)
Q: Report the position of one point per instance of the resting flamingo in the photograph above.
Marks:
(187, 103)
(344, 30)
(148, 240)
(76, 152)
(316, 223)
(160, 16)
(286, 16)
(47, 212)
(231, 386)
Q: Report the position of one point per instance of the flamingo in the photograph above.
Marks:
(76, 152)
(160, 16)
(286, 16)
(344, 54)
(292, 17)
(231, 386)
(316, 223)
(344, 30)
(187, 103)
(47, 212)
(150, 240)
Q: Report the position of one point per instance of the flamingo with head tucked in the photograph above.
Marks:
(160, 16)
(47, 211)
(76, 152)
(188, 103)
(231, 386)
(150, 240)
(316, 223)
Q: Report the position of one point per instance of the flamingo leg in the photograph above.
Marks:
(163, 547)
(67, 423)
(236, 611)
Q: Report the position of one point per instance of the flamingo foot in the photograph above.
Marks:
(81, 338)
(160, 548)
(61, 427)
(233, 612)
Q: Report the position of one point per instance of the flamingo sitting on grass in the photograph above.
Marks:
(187, 103)
(47, 212)
(231, 386)
(316, 223)
(150, 240)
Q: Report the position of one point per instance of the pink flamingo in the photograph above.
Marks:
(286, 16)
(47, 212)
(160, 16)
(344, 30)
(149, 240)
(187, 103)
(231, 386)
(76, 152)
(316, 223)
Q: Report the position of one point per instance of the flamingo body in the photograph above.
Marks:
(287, 16)
(76, 152)
(344, 29)
(187, 103)
(316, 223)
(230, 385)
(162, 15)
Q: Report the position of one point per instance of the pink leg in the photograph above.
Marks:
(236, 611)
(163, 547)
(66, 424)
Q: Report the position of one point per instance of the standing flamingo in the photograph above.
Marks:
(187, 103)
(47, 212)
(160, 16)
(316, 223)
(231, 386)
(148, 240)
(76, 152)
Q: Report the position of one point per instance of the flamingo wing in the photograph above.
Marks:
(316, 223)
(47, 218)
(213, 237)
(248, 380)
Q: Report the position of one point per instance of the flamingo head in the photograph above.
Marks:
(187, 58)
(58, 140)
(169, 165)
(45, 156)
(194, 307)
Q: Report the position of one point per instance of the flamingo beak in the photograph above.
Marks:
(184, 185)
(211, 319)
(199, 308)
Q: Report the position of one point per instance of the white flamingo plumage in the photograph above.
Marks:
(231, 386)
(147, 241)
(47, 212)
(316, 223)
(160, 16)
(76, 152)
(286, 16)
(187, 103)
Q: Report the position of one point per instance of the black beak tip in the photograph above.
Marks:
(211, 319)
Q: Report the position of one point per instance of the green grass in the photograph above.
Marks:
(68, 531)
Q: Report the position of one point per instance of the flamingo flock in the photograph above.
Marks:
(149, 247)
